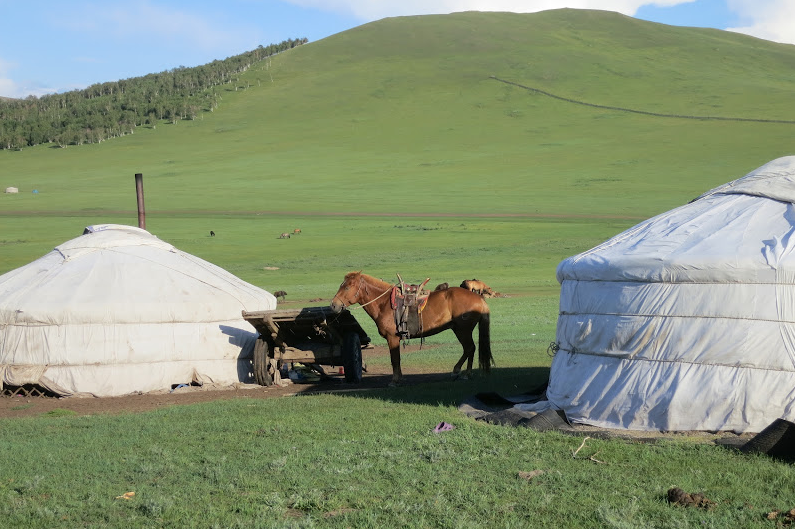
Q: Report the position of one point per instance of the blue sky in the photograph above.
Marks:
(55, 46)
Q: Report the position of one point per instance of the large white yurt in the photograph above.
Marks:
(686, 321)
(118, 311)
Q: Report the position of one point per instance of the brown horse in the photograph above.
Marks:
(478, 287)
(453, 308)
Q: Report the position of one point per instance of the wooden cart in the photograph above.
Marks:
(311, 335)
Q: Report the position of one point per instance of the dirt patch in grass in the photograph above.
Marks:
(375, 377)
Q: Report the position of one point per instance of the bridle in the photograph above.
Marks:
(362, 305)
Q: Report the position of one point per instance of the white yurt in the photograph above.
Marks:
(686, 321)
(118, 311)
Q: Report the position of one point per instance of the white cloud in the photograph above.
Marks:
(20, 89)
(7, 85)
(10, 88)
(147, 20)
(767, 19)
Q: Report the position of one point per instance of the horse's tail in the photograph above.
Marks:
(485, 358)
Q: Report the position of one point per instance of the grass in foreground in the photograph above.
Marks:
(361, 461)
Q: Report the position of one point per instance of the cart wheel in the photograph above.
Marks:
(261, 374)
(352, 357)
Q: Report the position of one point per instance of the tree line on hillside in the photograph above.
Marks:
(108, 110)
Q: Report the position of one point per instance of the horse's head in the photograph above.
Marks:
(348, 293)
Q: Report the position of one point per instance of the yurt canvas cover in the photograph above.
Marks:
(117, 311)
(686, 321)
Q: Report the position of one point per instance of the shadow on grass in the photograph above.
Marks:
(435, 388)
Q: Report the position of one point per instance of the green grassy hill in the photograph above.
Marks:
(409, 115)
(409, 103)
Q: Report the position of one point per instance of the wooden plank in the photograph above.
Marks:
(327, 355)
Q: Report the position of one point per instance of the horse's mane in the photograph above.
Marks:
(380, 283)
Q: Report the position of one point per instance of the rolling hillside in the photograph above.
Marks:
(449, 147)
(410, 115)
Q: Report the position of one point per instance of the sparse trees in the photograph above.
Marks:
(112, 109)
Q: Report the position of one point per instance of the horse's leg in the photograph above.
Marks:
(464, 336)
(394, 355)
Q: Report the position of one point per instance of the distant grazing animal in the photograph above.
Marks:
(453, 308)
(478, 287)
(284, 235)
(212, 233)
(280, 294)
(296, 231)
(441, 286)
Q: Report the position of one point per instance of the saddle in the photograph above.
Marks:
(408, 302)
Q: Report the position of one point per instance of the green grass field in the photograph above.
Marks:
(395, 151)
